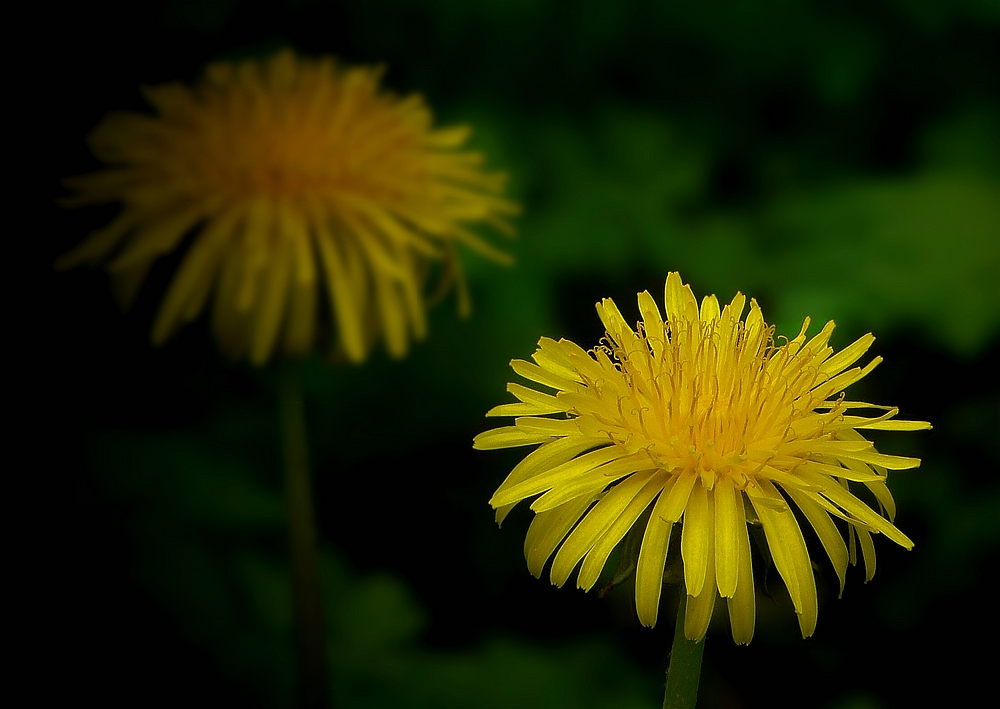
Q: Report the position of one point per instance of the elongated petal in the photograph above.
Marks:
(548, 529)
(547, 456)
(743, 604)
(652, 323)
(844, 380)
(898, 425)
(566, 472)
(300, 327)
(865, 514)
(868, 551)
(231, 323)
(826, 530)
(156, 238)
(788, 549)
(392, 315)
(200, 264)
(679, 300)
(710, 308)
(102, 242)
(593, 526)
(847, 356)
(347, 308)
(730, 525)
(272, 304)
(538, 374)
(698, 612)
(593, 481)
(882, 494)
(533, 403)
(613, 321)
(652, 559)
(892, 462)
(697, 534)
(507, 437)
(677, 497)
(551, 427)
(597, 557)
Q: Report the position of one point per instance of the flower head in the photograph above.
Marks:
(294, 177)
(704, 420)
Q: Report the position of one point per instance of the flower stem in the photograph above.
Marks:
(684, 671)
(306, 604)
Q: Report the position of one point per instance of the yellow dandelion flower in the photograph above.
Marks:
(702, 420)
(294, 177)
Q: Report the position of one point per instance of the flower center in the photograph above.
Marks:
(706, 401)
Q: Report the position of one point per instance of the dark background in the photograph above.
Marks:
(838, 160)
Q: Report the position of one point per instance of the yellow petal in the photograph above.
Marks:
(897, 425)
(612, 319)
(882, 494)
(199, 264)
(678, 496)
(391, 314)
(230, 324)
(844, 380)
(829, 536)
(791, 558)
(652, 559)
(710, 308)
(698, 612)
(156, 238)
(272, 304)
(255, 244)
(652, 323)
(558, 475)
(697, 534)
(551, 357)
(868, 550)
(679, 300)
(730, 524)
(597, 557)
(548, 529)
(537, 374)
(300, 327)
(734, 309)
(593, 481)
(742, 606)
(102, 242)
(873, 457)
(534, 403)
(551, 427)
(413, 301)
(348, 308)
(590, 529)
(547, 456)
(847, 356)
(507, 437)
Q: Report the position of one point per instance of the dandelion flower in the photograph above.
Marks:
(701, 419)
(304, 189)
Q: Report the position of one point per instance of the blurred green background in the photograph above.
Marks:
(834, 160)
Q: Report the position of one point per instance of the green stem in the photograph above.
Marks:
(306, 604)
(684, 671)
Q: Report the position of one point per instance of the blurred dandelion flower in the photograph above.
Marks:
(711, 423)
(295, 177)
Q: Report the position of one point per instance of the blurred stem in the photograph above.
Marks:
(684, 671)
(306, 604)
